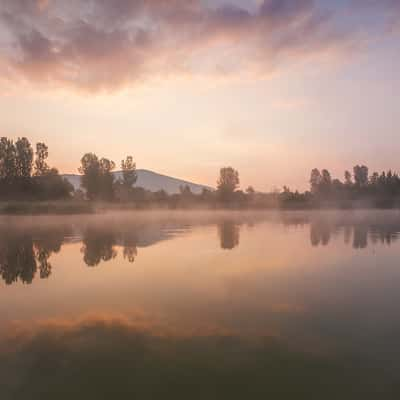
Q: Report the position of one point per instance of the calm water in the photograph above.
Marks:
(200, 306)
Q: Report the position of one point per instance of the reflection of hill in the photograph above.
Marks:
(26, 246)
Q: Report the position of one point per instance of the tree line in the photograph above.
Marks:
(381, 189)
(26, 175)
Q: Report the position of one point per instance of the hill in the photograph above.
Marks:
(148, 180)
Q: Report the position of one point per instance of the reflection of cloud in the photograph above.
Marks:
(108, 44)
(98, 356)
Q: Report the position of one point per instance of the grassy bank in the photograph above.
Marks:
(45, 208)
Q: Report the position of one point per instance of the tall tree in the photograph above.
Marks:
(360, 175)
(90, 170)
(24, 158)
(41, 166)
(315, 180)
(347, 178)
(7, 159)
(129, 175)
(97, 177)
(228, 182)
(325, 185)
(106, 179)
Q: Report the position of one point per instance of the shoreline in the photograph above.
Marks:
(92, 208)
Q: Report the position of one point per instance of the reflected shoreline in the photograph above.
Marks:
(27, 245)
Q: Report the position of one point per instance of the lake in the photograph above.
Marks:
(200, 305)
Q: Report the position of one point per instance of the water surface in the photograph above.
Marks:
(200, 306)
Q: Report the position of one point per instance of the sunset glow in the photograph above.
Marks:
(261, 85)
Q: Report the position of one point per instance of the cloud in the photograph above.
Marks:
(101, 44)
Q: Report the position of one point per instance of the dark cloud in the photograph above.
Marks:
(101, 44)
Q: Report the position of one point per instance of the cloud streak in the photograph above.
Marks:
(105, 45)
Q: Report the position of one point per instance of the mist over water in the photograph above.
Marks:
(200, 305)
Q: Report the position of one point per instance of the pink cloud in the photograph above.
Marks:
(99, 44)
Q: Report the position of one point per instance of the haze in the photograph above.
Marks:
(274, 87)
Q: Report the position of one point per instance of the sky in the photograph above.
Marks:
(273, 88)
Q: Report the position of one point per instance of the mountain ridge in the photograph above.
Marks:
(148, 180)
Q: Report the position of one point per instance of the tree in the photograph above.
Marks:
(42, 152)
(97, 177)
(106, 179)
(250, 191)
(326, 177)
(360, 175)
(315, 180)
(129, 175)
(347, 178)
(24, 158)
(374, 179)
(7, 159)
(228, 182)
(90, 170)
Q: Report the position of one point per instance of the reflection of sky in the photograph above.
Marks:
(194, 282)
(300, 287)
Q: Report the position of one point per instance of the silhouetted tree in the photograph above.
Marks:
(325, 184)
(360, 175)
(41, 166)
(129, 174)
(227, 183)
(7, 160)
(374, 179)
(24, 158)
(97, 177)
(347, 178)
(315, 180)
(90, 170)
(107, 179)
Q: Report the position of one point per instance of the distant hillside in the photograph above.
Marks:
(148, 180)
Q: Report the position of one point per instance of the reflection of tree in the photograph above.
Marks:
(320, 233)
(356, 232)
(21, 255)
(44, 264)
(347, 234)
(129, 239)
(360, 238)
(229, 234)
(17, 259)
(130, 252)
(98, 246)
(384, 233)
